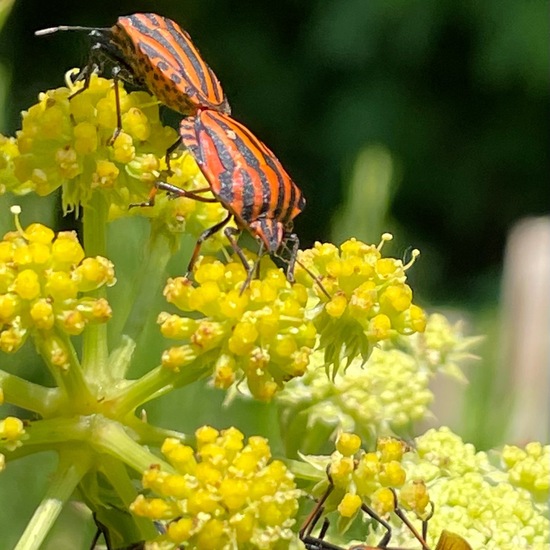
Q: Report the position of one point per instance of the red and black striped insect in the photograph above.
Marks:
(447, 540)
(155, 53)
(247, 179)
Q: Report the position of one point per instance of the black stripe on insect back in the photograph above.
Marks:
(253, 162)
(290, 205)
(248, 197)
(281, 198)
(157, 36)
(200, 70)
(226, 192)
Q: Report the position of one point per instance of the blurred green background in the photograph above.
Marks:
(428, 119)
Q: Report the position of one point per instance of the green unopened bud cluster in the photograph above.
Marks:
(388, 393)
(480, 496)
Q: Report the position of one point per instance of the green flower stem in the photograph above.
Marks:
(121, 357)
(114, 440)
(72, 379)
(155, 384)
(73, 465)
(97, 431)
(153, 435)
(144, 293)
(94, 346)
(27, 395)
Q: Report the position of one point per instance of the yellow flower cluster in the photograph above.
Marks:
(42, 277)
(486, 505)
(65, 141)
(370, 300)
(260, 334)
(359, 477)
(225, 495)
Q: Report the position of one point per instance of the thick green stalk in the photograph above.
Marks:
(29, 396)
(94, 346)
(73, 465)
(146, 285)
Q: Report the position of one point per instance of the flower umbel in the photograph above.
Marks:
(42, 280)
(227, 494)
(262, 334)
(66, 142)
(370, 300)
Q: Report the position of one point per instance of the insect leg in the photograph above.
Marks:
(315, 514)
(230, 233)
(293, 260)
(205, 235)
(169, 152)
(401, 515)
(387, 537)
(118, 129)
(425, 522)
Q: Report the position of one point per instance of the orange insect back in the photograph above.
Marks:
(162, 55)
(244, 175)
(152, 52)
(247, 179)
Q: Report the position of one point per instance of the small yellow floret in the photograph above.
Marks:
(348, 444)
(349, 505)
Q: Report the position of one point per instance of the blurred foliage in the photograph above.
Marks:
(456, 91)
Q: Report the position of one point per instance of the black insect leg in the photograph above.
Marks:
(401, 515)
(205, 235)
(230, 233)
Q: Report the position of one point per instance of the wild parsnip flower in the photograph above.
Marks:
(9, 151)
(196, 216)
(43, 276)
(66, 142)
(370, 300)
(376, 478)
(260, 334)
(469, 494)
(228, 494)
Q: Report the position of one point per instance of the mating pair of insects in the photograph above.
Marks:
(152, 52)
(447, 540)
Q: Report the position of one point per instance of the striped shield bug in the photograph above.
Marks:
(153, 52)
(248, 180)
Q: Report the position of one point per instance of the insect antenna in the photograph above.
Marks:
(51, 30)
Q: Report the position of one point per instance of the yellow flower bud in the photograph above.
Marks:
(85, 135)
(27, 285)
(348, 444)
(349, 505)
(177, 357)
(42, 314)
